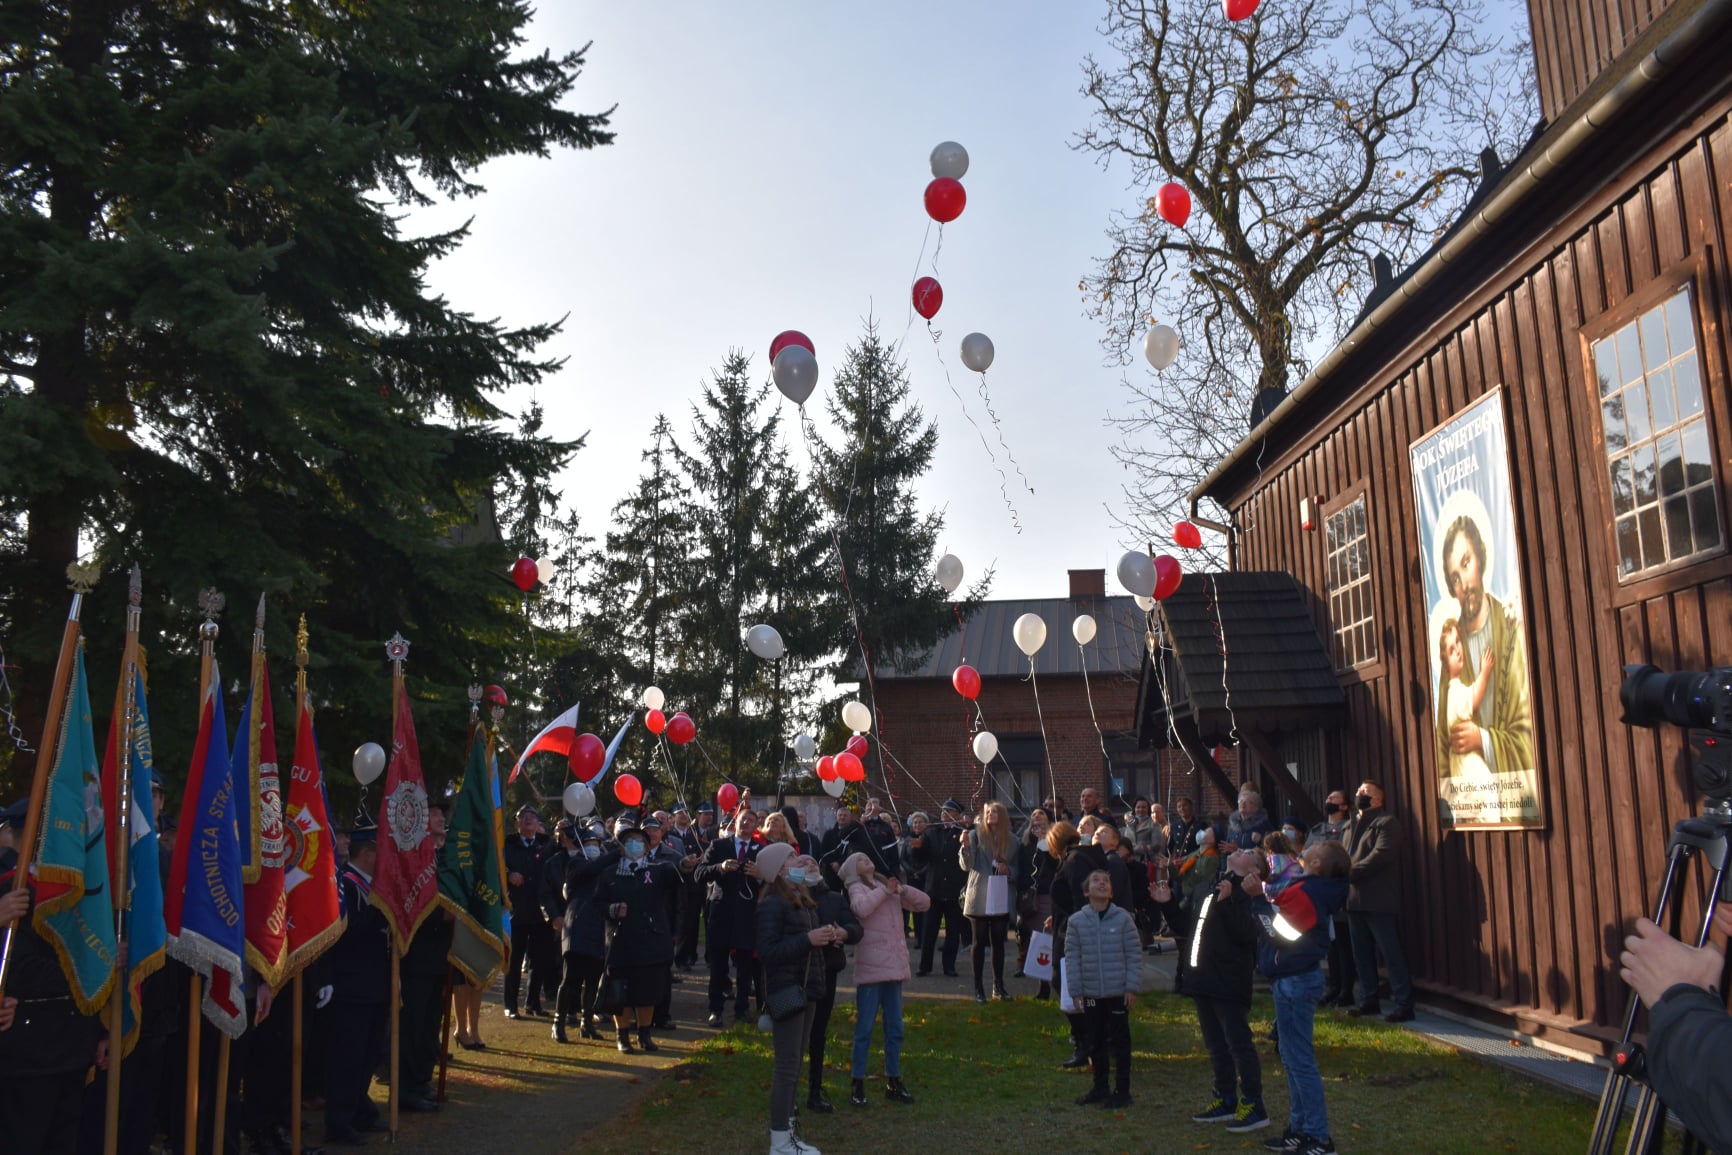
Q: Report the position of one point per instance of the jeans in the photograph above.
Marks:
(869, 999)
(1296, 999)
(1109, 1032)
(1226, 1031)
(1373, 933)
(790, 1036)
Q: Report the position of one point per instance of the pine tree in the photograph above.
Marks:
(218, 356)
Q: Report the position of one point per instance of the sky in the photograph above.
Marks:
(767, 174)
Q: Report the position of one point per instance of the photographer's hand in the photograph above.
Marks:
(1653, 962)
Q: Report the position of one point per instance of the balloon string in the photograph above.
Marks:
(1083, 655)
(14, 732)
(1003, 488)
(917, 262)
(1052, 779)
(998, 428)
(1221, 645)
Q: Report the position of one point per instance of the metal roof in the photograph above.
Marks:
(986, 640)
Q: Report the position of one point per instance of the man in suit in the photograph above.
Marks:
(732, 915)
(532, 939)
(355, 976)
(1373, 842)
(938, 850)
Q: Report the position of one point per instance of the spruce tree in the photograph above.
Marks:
(218, 354)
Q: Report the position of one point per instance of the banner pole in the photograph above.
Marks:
(297, 1045)
(211, 602)
(397, 654)
(120, 886)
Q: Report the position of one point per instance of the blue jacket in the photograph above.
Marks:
(1297, 927)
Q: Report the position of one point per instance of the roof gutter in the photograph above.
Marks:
(1685, 39)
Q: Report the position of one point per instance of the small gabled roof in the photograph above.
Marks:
(986, 640)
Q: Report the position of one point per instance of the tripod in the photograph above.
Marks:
(1705, 835)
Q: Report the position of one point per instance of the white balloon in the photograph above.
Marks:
(369, 762)
(948, 572)
(579, 799)
(1083, 629)
(653, 698)
(1161, 346)
(1145, 604)
(834, 787)
(765, 642)
(949, 159)
(805, 748)
(985, 746)
(1030, 633)
(796, 373)
(544, 571)
(977, 352)
(1137, 573)
(856, 717)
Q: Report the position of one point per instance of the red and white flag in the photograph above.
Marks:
(406, 883)
(557, 737)
(315, 916)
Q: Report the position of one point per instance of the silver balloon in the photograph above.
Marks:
(1029, 633)
(765, 642)
(796, 373)
(579, 799)
(1137, 573)
(1161, 346)
(977, 352)
(948, 572)
(1083, 629)
(805, 748)
(834, 787)
(369, 762)
(949, 159)
(985, 746)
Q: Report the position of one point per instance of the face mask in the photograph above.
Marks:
(1364, 801)
(1088, 840)
(591, 850)
(1332, 808)
(797, 877)
(634, 848)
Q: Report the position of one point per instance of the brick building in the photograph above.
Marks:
(928, 727)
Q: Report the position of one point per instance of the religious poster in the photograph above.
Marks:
(1471, 567)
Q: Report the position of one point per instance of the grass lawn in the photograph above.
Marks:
(987, 1079)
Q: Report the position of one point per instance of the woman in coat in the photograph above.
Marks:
(880, 969)
(791, 943)
(637, 897)
(833, 910)
(1034, 871)
(583, 937)
(986, 855)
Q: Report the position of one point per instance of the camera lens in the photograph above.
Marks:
(1651, 696)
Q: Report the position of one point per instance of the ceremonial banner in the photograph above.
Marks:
(315, 920)
(406, 885)
(146, 939)
(202, 908)
(1471, 568)
(261, 807)
(74, 910)
(471, 883)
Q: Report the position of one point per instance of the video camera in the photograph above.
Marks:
(1699, 701)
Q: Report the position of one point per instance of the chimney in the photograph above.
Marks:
(1088, 583)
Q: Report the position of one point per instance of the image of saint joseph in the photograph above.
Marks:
(1501, 729)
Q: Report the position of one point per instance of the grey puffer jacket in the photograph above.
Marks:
(1102, 953)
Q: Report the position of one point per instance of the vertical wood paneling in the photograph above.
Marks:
(1576, 40)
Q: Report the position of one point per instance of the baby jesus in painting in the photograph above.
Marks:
(1462, 697)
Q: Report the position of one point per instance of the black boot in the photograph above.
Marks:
(624, 1041)
(896, 1092)
(858, 1098)
(815, 1100)
(644, 1041)
(590, 1030)
(1077, 1060)
(559, 1031)
(979, 993)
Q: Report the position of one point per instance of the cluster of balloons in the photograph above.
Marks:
(835, 771)
(765, 642)
(679, 728)
(794, 365)
(526, 572)
(945, 200)
(1154, 578)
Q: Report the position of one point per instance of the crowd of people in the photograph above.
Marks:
(607, 918)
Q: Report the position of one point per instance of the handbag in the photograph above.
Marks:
(785, 1003)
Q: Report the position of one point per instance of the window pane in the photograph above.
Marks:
(1332, 528)
(1681, 329)
(1653, 541)
(1706, 518)
(1623, 487)
(1679, 542)
(1689, 381)
(1629, 546)
(1671, 465)
(1606, 366)
(1359, 518)
(1363, 549)
(1643, 462)
(1660, 398)
(1653, 329)
(1617, 432)
(1629, 355)
(1636, 412)
(1698, 466)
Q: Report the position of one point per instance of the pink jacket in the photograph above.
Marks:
(882, 954)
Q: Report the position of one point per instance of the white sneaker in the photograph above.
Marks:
(784, 1143)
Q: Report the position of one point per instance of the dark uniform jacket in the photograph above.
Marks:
(527, 861)
(645, 936)
(358, 965)
(938, 855)
(48, 1036)
(733, 897)
(585, 929)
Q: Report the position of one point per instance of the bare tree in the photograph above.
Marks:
(1311, 137)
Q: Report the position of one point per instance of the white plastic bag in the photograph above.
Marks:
(1039, 964)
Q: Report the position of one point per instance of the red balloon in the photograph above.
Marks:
(727, 797)
(945, 198)
(587, 757)
(966, 679)
(826, 768)
(628, 789)
(790, 337)
(1238, 9)
(1186, 534)
(655, 721)
(681, 729)
(1168, 575)
(850, 768)
(928, 296)
(857, 745)
(1174, 204)
(524, 574)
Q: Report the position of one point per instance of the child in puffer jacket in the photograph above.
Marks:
(1297, 932)
(1103, 966)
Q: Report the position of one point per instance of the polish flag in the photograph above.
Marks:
(557, 737)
